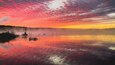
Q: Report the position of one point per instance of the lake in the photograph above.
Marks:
(59, 50)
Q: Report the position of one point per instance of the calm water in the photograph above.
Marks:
(60, 50)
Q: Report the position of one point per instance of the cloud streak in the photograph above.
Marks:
(4, 19)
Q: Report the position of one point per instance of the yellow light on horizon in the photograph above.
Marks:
(91, 26)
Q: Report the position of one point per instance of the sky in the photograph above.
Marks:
(58, 13)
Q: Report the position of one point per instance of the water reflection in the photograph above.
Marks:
(59, 50)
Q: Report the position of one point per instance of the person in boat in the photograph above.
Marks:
(25, 34)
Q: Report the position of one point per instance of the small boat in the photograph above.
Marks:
(33, 39)
(25, 34)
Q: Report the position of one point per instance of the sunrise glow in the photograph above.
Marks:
(58, 13)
